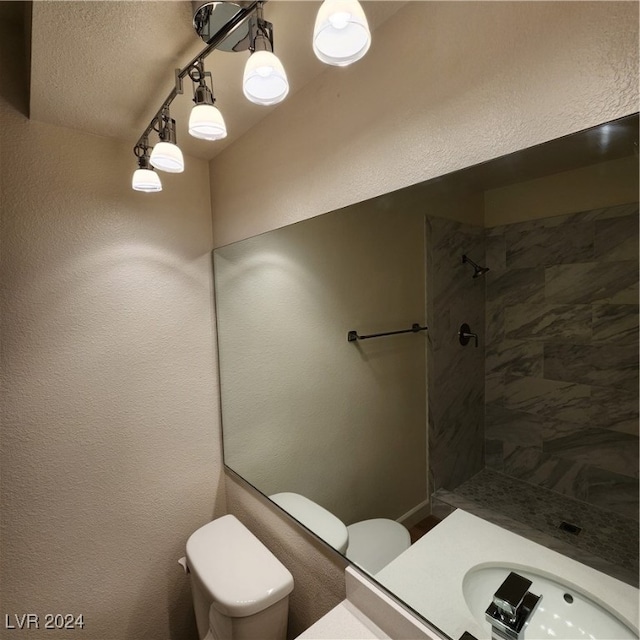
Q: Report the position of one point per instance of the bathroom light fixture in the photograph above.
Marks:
(206, 121)
(341, 34)
(144, 177)
(166, 155)
(264, 81)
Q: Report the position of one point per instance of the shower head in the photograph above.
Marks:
(478, 270)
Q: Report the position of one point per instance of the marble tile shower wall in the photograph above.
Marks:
(455, 373)
(561, 361)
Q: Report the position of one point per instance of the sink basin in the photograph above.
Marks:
(564, 612)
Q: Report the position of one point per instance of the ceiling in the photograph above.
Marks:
(105, 67)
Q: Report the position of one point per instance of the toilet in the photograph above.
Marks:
(240, 589)
(370, 544)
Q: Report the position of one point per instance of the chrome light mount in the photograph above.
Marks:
(209, 17)
(260, 32)
(141, 151)
(202, 94)
(166, 127)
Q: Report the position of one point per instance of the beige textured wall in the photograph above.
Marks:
(354, 439)
(110, 457)
(600, 185)
(444, 86)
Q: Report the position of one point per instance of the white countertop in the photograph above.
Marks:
(343, 621)
(368, 613)
(429, 575)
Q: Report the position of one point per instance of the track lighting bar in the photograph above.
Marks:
(341, 36)
(233, 24)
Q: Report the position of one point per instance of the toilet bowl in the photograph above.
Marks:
(371, 544)
(240, 589)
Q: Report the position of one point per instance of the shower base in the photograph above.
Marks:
(606, 541)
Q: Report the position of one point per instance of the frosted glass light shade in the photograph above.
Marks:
(167, 156)
(206, 122)
(146, 180)
(341, 34)
(264, 81)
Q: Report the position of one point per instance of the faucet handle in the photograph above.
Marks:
(465, 334)
(511, 608)
(510, 594)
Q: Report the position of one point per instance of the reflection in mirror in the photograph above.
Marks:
(517, 405)
(319, 414)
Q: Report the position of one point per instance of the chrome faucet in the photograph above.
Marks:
(512, 608)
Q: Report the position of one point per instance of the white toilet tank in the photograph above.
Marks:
(240, 589)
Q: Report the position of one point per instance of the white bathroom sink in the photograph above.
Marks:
(451, 574)
(564, 612)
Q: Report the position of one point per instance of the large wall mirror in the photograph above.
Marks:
(507, 388)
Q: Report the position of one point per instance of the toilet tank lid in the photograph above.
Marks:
(316, 518)
(241, 575)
